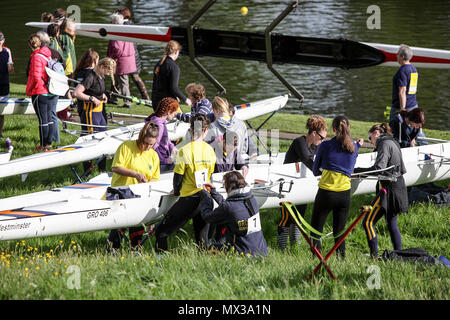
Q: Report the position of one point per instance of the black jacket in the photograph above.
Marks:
(165, 83)
(232, 212)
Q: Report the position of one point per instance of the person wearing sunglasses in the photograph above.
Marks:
(394, 199)
(302, 150)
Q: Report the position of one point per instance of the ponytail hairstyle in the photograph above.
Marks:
(87, 60)
(382, 128)
(315, 123)
(220, 105)
(165, 106)
(150, 130)
(233, 180)
(34, 42)
(108, 64)
(199, 123)
(171, 47)
(341, 126)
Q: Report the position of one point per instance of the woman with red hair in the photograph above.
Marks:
(166, 111)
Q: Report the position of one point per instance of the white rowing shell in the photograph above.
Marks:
(106, 143)
(85, 211)
(24, 106)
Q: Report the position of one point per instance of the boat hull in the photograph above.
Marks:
(24, 106)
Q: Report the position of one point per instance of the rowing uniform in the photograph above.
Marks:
(129, 156)
(334, 187)
(194, 166)
(80, 76)
(298, 152)
(92, 114)
(5, 60)
(393, 196)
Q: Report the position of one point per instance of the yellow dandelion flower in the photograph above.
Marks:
(26, 269)
(37, 268)
(56, 273)
(72, 242)
(74, 247)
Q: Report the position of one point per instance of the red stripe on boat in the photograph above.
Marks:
(392, 57)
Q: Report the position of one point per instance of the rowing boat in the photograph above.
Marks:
(251, 46)
(71, 210)
(24, 106)
(106, 143)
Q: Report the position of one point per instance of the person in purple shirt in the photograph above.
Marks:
(166, 111)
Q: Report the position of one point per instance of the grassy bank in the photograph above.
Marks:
(77, 266)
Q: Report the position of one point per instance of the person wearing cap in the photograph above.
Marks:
(6, 66)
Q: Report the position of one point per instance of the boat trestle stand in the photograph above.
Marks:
(264, 190)
(88, 171)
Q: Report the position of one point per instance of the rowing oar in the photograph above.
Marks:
(136, 100)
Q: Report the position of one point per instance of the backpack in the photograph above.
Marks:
(57, 80)
(411, 255)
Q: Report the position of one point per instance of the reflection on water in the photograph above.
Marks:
(360, 94)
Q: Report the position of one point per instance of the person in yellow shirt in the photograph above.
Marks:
(193, 168)
(135, 162)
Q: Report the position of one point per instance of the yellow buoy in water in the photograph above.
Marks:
(244, 11)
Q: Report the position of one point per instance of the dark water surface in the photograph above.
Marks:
(361, 94)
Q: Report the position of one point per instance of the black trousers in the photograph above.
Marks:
(182, 211)
(326, 201)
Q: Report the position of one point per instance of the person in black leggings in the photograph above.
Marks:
(335, 161)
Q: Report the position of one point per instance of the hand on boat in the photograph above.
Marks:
(360, 141)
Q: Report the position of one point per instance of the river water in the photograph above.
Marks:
(360, 94)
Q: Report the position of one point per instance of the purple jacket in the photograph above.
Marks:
(163, 145)
(123, 53)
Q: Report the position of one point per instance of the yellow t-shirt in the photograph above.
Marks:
(334, 181)
(195, 161)
(130, 157)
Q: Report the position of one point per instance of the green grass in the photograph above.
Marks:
(48, 267)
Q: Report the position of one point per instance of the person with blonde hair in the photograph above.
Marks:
(135, 162)
(226, 121)
(200, 104)
(334, 162)
(166, 76)
(302, 150)
(93, 92)
(37, 89)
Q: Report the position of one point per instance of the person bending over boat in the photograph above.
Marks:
(166, 111)
(193, 168)
(226, 121)
(239, 214)
(406, 126)
(37, 89)
(123, 53)
(166, 75)
(134, 162)
(335, 161)
(200, 104)
(93, 92)
(303, 149)
(395, 197)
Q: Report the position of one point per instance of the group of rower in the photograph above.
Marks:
(218, 142)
